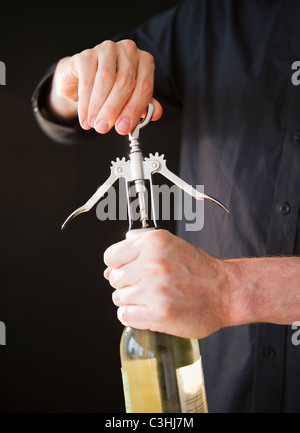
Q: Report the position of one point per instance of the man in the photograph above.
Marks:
(227, 68)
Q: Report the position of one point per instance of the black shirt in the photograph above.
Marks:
(226, 66)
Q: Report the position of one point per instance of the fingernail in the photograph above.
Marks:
(85, 124)
(121, 313)
(101, 126)
(124, 124)
(106, 273)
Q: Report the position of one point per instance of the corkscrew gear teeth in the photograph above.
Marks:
(139, 169)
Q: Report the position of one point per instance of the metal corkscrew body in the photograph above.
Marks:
(138, 170)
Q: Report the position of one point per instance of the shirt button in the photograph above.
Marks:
(285, 208)
(269, 353)
(297, 136)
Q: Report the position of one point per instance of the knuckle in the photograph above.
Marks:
(147, 58)
(106, 45)
(164, 310)
(87, 54)
(129, 45)
(85, 85)
(125, 81)
(106, 74)
(159, 291)
(162, 267)
(133, 110)
(145, 87)
(159, 238)
(110, 112)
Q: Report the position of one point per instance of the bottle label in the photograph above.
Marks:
(191, 388)
(127, 398)
(140, 375)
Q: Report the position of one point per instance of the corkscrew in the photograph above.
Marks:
(138, 170)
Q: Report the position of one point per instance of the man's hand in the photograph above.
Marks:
(110, 84)
(165, 284)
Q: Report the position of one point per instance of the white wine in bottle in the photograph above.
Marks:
(161, 373)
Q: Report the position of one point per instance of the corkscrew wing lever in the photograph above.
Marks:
(159, 163)
(94, 199)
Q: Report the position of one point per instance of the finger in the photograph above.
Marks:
(158, 110)
(120, 93)
(104, 79)
(132, 295)
(157, 113)
(107, 272)
(124, 276)
(86, 66)
(136, 316)
(120, 254)
(139, 317)
(140, 97)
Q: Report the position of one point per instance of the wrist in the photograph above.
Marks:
(262, 290)
(238, 293)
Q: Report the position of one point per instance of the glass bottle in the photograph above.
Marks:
(161, 373)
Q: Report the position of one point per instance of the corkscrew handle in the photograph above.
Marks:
(137, 164)
(134, 135)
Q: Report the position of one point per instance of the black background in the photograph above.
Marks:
(62, 334)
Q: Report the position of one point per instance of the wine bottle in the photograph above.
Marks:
(161, 373)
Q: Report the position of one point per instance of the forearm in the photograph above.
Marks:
(263, 290)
